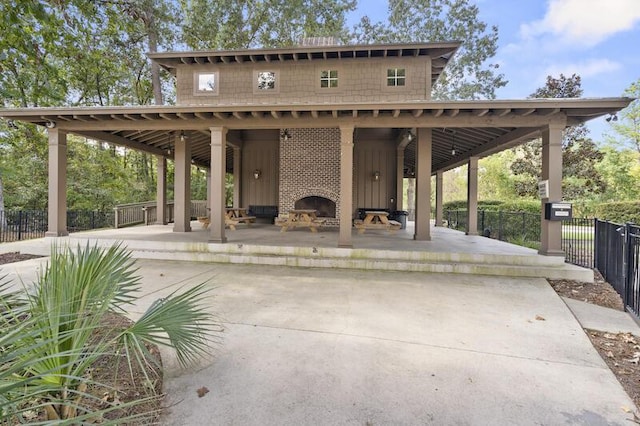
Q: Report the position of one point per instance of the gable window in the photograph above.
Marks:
(396, 77)
(329, 78)
(206, 83)
(266, 80)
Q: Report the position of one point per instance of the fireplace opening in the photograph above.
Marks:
(324, 206)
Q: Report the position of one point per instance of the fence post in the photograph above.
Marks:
(500, 225)
(482, 227)
(595, 243)
(20, 225)
(626, 261)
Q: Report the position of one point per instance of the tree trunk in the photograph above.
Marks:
(155, 68)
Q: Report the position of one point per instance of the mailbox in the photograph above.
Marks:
(557, 211)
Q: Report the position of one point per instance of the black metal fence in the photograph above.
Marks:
(516, 227)
(617, 255)
(16, 225)
(523, 228)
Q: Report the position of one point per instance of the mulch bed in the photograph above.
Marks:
(15, 257)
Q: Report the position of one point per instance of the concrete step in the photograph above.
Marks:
(366, 259)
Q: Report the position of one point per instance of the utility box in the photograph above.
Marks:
(558, 211)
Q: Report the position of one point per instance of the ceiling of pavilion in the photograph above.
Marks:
(473, 128)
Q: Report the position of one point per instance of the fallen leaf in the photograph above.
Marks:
(539, 318)
(628, 338)
(202, 391)
(609, 336)
(609, 354)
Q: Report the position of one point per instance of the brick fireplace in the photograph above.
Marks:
(310, 171)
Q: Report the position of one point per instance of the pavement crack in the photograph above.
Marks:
(410, 342)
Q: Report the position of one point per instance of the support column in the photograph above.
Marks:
(423, 185)
(237, 177)
(346, 186)
(217, 195)
(161, 191)
(208, 196)
(551, 235)
(182, 189)
(439, 206)
(400, 179)
(472, 196)
(57, 213)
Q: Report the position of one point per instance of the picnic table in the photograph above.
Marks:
(233, 216)
(301, 218)
(376, 220)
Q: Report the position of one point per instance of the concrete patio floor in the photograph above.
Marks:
(345, 347)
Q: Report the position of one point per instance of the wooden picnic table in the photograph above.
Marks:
(236, 215)
(376, 220)
(233, 216)
(300, 218)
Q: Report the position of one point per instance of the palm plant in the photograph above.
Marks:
(51, 335)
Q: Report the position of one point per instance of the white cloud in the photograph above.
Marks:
(585, 22)
(584, 69)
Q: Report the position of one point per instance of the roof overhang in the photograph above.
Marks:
(481, 127)
(440, 54)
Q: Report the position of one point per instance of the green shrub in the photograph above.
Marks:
(520, 205)
(619, 212)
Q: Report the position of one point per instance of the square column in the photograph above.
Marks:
(423, 185)
(208, 202)
(439, 205)
(400, 179)
(217, 194)
(551, 235)
(57, 208)
(237, 177)
(182, 190)
(472, 196)
(346, 186)
(161, 191)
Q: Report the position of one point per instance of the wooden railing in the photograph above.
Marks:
(139, 213)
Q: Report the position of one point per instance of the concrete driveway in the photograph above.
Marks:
(308, 346)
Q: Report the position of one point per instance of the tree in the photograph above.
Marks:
(468, 75)
(628, 128)
(580, 154)
(261, 23)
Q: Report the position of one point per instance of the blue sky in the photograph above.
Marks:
(596, 39)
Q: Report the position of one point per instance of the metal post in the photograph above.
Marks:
(626, 251)
(20, 225)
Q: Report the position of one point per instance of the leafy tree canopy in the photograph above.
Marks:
(580, 154)
(469, 75)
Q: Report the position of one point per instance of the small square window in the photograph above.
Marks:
(266, 80)
(207, 82)
(396, 77)
(329, 78)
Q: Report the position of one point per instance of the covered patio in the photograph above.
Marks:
(429, 138)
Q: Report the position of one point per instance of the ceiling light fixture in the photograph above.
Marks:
(50, 124)
(453, 143)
